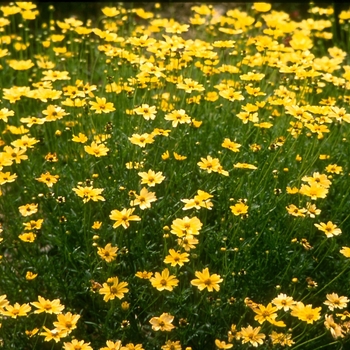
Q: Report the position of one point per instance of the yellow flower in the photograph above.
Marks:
(178, 116)
(108, 253)
(111, 345)
(144, 275)
(80, 138)
(239, 208)
(27, 237)
(306, 312)
(7, 177)
(329, 229)
(66, 323)
(144, 199)
(88, 192)
(186, 226)
(30, 275)
(162, 323)
(265, 313)
(101, 105)
(48, 306)
(164, 281)
(141, 140)
(15, 310)
(222, 344)
(262, 6)
(113, 289)
(123, 217)
(151, 178)
(345, 251)
(21, 65)
(146, 111)
(282, 301)
(244, 166)
(97, 150)
(335, 302)
(251, 335)
(48, 179)
(28, 209)
(175, 258)
(77, 345)
(232, 146)
(205, 280)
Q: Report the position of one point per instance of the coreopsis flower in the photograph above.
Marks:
(113, 289)
(186, 226)
(148, 112)
(151, 178)
(30, 275)
(28, 209)
(164, 281)
(5, 113)
(16, 154)
(265, 313)
(336, 329)
(48, 306)
(48, 179)
(176, 258)
(55, 75)
(220, 344)
(345, 251)
(190, 85)
(3, 301)
(96, 149)
(320, 179)
(89, 193)
(144, 199)
(209, 164)
(205, 280)
(178, 116)
(21, 64)
(282, 301)
(244, 166)
(232, 146)
(32, 332)
(66, 323)
(335, 302)
(15, 310)
(314, 191)
(231, 95)
(251, 335)
(25, 142)
(306, 312)
(162, 323)
(141, 140)
(295, 211)
(261, 6)
(334, 169)
(53, 113)
(144, 274)
(77, 345)
(33, 224)
(101, 105)
(239, 208)
(53, 334)
(283, 339)
(108, 253)
(201, 200)
(7, 177)
(81, 138)
(187, 242)
(123, 217)
(329, 229)
(28, 237)
(110, 11)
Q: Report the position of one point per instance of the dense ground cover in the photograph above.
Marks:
(174, 184)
